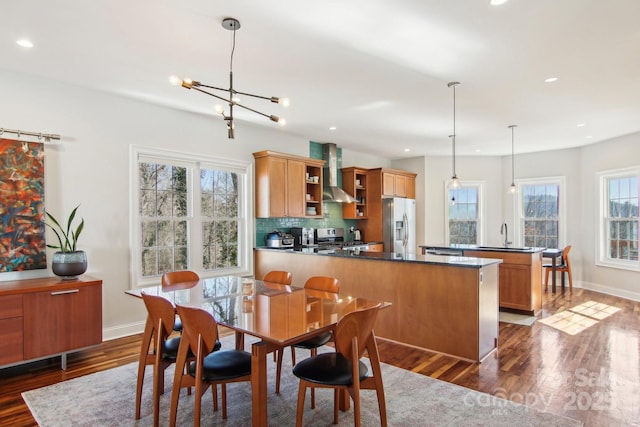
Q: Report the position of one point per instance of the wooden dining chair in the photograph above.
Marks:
(199, 336)
(282, 278)
(157, 348)
(342, 370)
(326, 284)
(178, 280)
(277, 276)
(563, 267)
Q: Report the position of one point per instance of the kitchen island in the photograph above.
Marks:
(446, 304)
(520, 274)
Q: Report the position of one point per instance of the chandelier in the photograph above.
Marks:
(231, 99)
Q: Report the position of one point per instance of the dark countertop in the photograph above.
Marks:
(457, 261)
(463, 247)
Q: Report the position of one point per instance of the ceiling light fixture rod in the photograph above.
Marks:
(232, 24)
(513, 187)
(454, 178)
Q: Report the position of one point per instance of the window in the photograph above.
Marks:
(463, 215)
(619, 213)
(540, 208)
(188, 212)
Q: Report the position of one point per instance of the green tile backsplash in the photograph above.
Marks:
(332, 218)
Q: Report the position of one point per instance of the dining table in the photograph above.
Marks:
(277, 315)
(554, 254)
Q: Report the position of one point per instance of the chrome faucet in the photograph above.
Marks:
(504, 230)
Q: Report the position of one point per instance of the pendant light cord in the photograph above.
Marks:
(453, 137)
(513, 167)
(454, 130)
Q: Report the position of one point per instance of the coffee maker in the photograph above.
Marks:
(303, 236)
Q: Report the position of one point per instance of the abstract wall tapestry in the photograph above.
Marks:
(22, 244)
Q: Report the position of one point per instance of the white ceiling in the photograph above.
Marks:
(377, 70)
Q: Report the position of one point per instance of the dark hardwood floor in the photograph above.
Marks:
(592, 376)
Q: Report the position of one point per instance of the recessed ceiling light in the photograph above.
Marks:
(589, 136)
(497, 2)
(332, 128)
(24, 43)
(550, 80)
(478, 150)
(580, 125)
(406, 150)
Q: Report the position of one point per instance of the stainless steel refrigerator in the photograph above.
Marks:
(399, 225)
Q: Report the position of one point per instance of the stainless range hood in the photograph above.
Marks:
(331, 192)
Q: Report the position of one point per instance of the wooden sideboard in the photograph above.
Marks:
(47, 317)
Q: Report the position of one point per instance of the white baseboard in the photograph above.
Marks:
(603, 289)
(122, 331)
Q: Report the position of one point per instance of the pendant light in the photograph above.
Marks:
(454, 183)
(231, 100)
(512, 188)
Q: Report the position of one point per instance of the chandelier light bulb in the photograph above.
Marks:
(284, 102)
(282, 122)
(175, 80)
(219, 109)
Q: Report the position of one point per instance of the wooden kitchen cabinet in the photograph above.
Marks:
(376, 247)
(520, 279)
(396, 183)
(354, 182)
(282, 185)
(384, 182)
(48, 317)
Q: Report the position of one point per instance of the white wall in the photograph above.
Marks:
(618, 153)
(90, 166)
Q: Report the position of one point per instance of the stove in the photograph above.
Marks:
(329, 239)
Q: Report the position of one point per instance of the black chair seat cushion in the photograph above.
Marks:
(170, 350)
(557, 265)
(314, 342)
(328, 369)
(177, 325)
(224, 365)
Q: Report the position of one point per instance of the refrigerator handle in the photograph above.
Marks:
(405, 225)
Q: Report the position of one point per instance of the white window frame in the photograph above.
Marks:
(480, 185)
(193, 162)
(561, 182)
(602, 258)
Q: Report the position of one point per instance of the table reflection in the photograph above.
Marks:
(275, 312)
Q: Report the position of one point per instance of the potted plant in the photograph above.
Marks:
(68, 262)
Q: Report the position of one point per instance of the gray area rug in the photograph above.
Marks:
(518, 319)
(108, 399)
